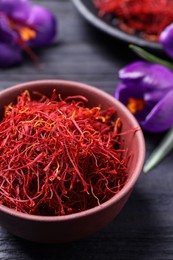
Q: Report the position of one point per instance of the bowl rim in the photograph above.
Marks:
(107, 28)
(129, 184)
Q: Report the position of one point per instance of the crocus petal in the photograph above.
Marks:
(46, 22)
(6, 34)
(153, 83)
(147, 90)
(166, 39)
(9, 55)
(149, 76)
(134, 71)
(160, 117)
(124, 91)
(158, 78)
(19, 9)
(155, 96)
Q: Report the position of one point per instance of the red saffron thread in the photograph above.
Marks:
(28, 50)
(148, 17)
(58, 156)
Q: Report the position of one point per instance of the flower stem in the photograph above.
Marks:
(160, 152)
(150, 57)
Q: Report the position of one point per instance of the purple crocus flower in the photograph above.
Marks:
(147, 90)
(166, 39)
(23, 26)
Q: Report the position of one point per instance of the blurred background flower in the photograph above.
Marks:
(23, 26)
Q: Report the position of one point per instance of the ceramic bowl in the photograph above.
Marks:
(55, 229)
(109, 26)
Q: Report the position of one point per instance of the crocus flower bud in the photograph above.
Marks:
(166, 39)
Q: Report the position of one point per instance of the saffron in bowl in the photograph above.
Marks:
(66, 157)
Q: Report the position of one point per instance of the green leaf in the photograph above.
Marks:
(150, 57)
(160, 152)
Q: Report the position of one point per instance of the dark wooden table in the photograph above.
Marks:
(144, 228)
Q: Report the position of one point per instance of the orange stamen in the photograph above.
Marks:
(27, 49)
(26, 32)
(135, 105)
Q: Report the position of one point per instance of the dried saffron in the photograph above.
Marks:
(147, 17)
(58, 156)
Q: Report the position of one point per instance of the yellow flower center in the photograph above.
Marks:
(26, 33)
(135, 105)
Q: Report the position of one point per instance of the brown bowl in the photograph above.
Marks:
(54, 229)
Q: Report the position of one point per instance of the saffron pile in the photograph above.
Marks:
(58, 156)
(147, 17)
